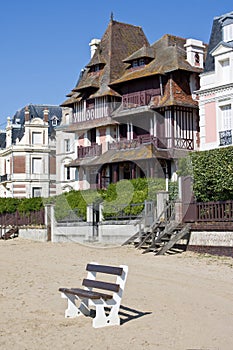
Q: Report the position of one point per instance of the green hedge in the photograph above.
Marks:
(114, 198)
(212, 173)
(117, 197)
(24, 205)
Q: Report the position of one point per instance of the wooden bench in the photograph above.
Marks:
(98, 293)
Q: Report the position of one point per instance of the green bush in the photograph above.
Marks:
(212, 173)
(9, 205)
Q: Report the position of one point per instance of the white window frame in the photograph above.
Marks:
(225, 117)
(37, 138)
(67, 145)
(37, 165)
(36, 192)
(228, 33)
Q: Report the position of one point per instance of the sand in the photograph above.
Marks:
(182, 301)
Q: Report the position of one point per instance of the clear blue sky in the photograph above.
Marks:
(44, 44)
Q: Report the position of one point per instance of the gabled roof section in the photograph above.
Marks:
(73, 97)
(145, 51)
(120, 40)
(169, 55)
(222, 45)
(216, 37)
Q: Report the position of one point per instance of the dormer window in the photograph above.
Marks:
(96, 68)
(54, 121)
(141, 62)
(228, 33)
(138, 63)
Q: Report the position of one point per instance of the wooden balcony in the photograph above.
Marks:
(89, 151)
(159, 143)
(139, 98)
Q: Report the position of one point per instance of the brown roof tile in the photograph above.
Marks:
(170, 55)
(120, 40)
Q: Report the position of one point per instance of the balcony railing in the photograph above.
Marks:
(162, 143)
(89, 151)
(140, 98)
(225, 138)
(209, 212)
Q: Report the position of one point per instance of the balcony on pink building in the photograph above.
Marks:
(139, 98)
(89, 151)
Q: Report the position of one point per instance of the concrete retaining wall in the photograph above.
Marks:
(35, 234)
(107, 233)
(211, 238)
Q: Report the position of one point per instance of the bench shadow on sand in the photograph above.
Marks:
(127, 314)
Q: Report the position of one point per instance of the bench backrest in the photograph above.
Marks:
(119, 271)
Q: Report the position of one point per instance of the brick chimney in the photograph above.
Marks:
(46, 115)
(195, 52)
(27, 114)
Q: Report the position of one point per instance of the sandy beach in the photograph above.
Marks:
(178, 302)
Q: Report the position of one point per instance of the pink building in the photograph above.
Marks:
(216, 91)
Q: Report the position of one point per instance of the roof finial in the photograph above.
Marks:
(111, 18)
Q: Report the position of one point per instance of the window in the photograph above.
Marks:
(36, 192)
(224, 70)
(96, 68)
(54, 120)
(67, 173)
(37, 166)
(37, 138)
(228, 33)
(197, 58)
(135, 63)
(226, 117)
(67, 145)
(91, 135)
(141, 62)
(225, 63)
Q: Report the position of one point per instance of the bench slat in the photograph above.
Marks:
(101, 285)
(112, 270)
(82, 293)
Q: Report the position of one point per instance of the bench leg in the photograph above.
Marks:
(101, 320)
(72, 309)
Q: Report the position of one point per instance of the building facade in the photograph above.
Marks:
(133, 109)
(216, 87)
(28, 153)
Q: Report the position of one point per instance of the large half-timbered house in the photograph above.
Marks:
(133, 108)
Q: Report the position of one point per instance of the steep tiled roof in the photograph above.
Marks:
(119, 41)
(35, 111)
(73, 97)
(216, 37)
(170, 55)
